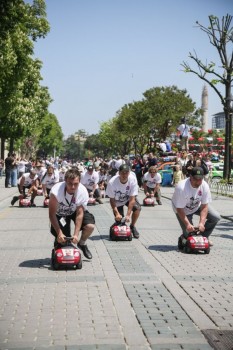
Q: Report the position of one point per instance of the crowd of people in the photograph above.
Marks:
(69, 185)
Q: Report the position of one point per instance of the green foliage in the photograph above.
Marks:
(73, 148)
(50, 136)
(160, 110)
(23, 102)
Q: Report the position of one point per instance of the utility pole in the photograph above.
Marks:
(228, 134)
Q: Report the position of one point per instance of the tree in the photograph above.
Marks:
(72, 149)
(220, 36)
(159, 112)
(21, 96)
(50, 136)
(165, 107)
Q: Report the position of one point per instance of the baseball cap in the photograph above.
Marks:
(90, 167)
(124, 167)
(197, 173)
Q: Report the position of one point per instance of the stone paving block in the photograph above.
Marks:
(124, 282)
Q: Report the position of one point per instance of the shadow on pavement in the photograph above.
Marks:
(225, 236)
(225, 226)
(163, 248)
(98, 238)
(36, 263)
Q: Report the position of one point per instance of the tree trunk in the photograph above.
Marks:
(11, 145)
(228, 134)
(2, 148)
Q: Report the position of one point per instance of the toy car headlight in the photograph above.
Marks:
(76, 254)
(59, 255)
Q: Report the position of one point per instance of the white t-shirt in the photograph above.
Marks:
(162, 146)
(184, 130)
(152, 181)
(21, 166)
(49, 181)
(121, 192)
(189, 198)
(68, 203)
(89, 180)
(40, 172)
(27, 179)
(102, 177)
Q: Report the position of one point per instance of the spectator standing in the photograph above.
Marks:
(14, 171)
(182, 161)
(22, 167)
(183, 128)
(1, 167)
(177, 174)
(8, 169)
(138, 167)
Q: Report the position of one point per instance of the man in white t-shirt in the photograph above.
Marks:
(27, 181)
(151, 183)
(183, 128)
(50, 178)
(68, 201)
(122, 190)
(90, 180)
(192, 197)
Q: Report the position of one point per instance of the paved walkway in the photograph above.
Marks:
(142, 294)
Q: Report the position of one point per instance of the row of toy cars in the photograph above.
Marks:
(25, 201)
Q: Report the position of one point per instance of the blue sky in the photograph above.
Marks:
(103, 54)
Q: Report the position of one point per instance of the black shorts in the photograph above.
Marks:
(137, 206)
(88, 218)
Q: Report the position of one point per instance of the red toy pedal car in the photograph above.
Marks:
(193, 243)
(120, 231)
(24, 201)
(91, 201)
(66, 255)
(148, 202)
(46, 202)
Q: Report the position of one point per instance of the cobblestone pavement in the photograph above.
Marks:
(142, 294)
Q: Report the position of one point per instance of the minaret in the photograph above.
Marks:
(204, 107)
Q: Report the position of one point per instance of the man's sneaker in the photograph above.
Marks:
(14, 199)
(99, 201)
(134, 231)
(33, 205)
(159, 202)
(85, 250)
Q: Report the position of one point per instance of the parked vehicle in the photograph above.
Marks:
(217, 172)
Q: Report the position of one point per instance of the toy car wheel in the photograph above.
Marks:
(180, 245)
(207, 251)
(130, 238)
(187, 250)
(54, 265)
(112, 237)
(79, 265)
